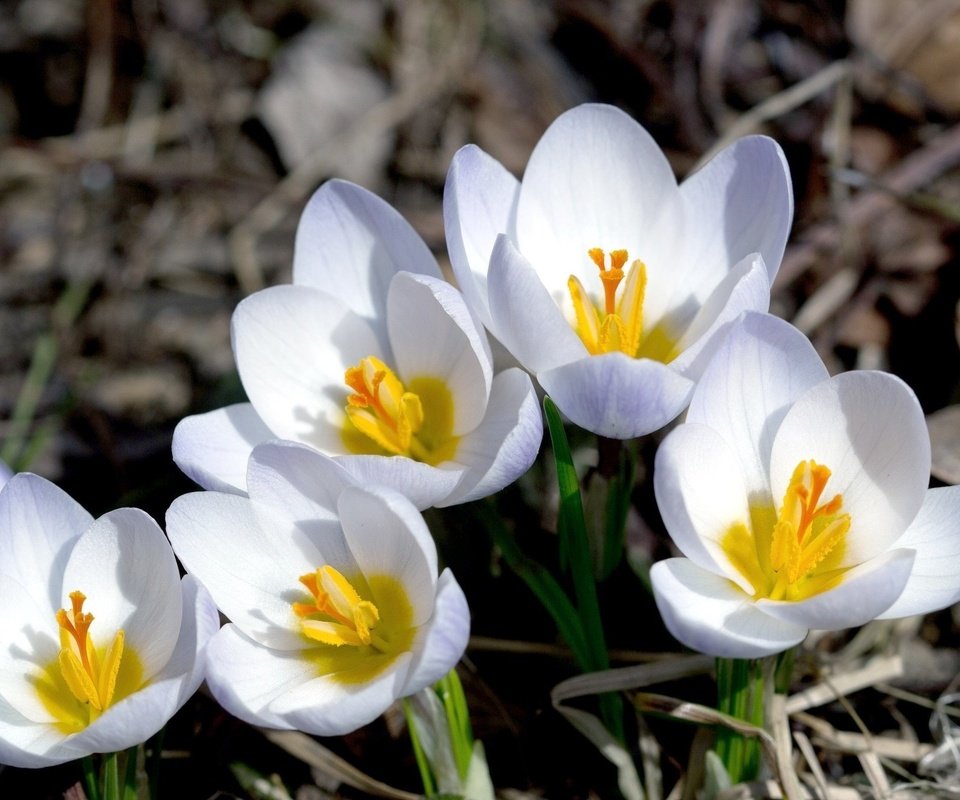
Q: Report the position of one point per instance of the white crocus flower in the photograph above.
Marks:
(369, 357)
(100, 641)
(799, 500)
(332, 590)
(603, 277)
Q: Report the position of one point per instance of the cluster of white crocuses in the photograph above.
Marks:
(799, 500)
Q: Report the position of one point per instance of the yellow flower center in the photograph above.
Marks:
(84, 681)
(796, 553)
(346, 618)
(362, 639)
(618, 327)
(384, 416)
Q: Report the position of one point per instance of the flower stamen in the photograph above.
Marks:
(618, 326)
(414, 421)
(89, 681)
(350, 620)
(794, 553)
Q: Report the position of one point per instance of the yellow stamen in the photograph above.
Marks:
(349, 619)
(416, 422)
(618, 325)
(796, 553)
(88, 680)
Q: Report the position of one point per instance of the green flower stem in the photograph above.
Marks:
(111, 777)
(783, 670)
(130, 773)
(724, 737)
(755, 715)
(619, 489)
(426, 775)
(608, 456)
(740, 690)
(573, 530)
(90, 780)
(156, 758)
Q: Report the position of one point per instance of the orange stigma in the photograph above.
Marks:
(611, 276)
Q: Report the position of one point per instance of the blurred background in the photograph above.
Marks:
(155, 156)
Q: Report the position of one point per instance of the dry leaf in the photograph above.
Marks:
(921, 39)
(322, 82)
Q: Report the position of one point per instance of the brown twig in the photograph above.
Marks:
(916, 170)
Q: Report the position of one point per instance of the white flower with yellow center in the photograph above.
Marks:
(371, 358)
(100, 642)
(331, 588)
(603, 277)
(799, 500)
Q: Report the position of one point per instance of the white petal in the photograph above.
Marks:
(617, 396)
(757, 373)
(526, 319)
(249, 558)
(595, 179)
(869, 430)
(421, 484)
(126, 569)
(701, 495)
(432, 334)
(5, 473)
(327, 706)
(26, 744)
(351, 243)
(245, 677)
(442, 642)
(388, 536)
(935, 538)
(479, 203)
(506, 442)
(301, 484)
(293, 345)
(744, 288)
(128, 723)
(29, 641)
(867, 591)
(199, 622)
(740, 202)
(39, 524)
(708, 613)
(212, 449)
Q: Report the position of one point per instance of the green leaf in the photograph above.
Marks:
(539, 580)
(419, 753)
(572, 525)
